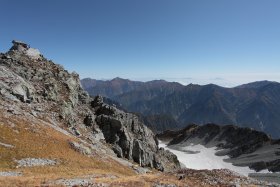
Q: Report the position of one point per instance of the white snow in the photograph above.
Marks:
(205, 158)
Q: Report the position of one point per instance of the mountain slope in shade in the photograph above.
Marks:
(255, 105)
(110, 88)
(161, 122)
(257, 84)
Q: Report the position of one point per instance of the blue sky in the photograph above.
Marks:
(227, 42)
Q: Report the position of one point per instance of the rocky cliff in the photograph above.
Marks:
(32, 84)
(130, 138)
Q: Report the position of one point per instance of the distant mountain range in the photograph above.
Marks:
(170, 105)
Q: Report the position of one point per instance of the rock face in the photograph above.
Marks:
(32, 85)
(24, 48)
(38, 80)
(159, 123)
(30, 162)
(130, 138)
(244, 146)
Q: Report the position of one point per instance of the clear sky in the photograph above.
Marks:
(227, 42)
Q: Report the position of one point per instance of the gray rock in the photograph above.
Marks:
(165, 185)
(19, 45)
(73, 182)
(13, 85)
(80, 148)
(75, 131)
(141, 170)
(131, 139)
(10, 174)
(30, 162)
(98, 101)
(118, 150)
(89, 121)
(6, 145)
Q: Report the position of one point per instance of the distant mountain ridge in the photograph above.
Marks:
(117, 86)
(255, 105)
(257, 84)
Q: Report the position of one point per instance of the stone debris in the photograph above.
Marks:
(141, 170)
(165, 185)
(10, 174)
(87, 180)
(73, 182)
(80, 148)
(30, 162)
(7, 145)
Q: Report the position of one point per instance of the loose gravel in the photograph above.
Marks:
(73, 182)
(10, 174)
(30, 162)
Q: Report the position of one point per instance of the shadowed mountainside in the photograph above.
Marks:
(255, 105)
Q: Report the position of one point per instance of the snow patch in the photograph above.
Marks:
(200, 157)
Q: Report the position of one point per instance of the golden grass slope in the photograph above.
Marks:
(41, 141)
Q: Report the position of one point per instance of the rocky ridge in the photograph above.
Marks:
(29, 83)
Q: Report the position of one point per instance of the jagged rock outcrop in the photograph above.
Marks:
(31, 84)
(38, 80)
(244, 146)
(130, 138)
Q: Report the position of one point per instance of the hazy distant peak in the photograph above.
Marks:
(213, 85)
(257, 84)
(118, 79)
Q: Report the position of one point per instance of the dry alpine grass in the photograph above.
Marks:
(39, 141)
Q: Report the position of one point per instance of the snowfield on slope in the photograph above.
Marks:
(200, 157)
